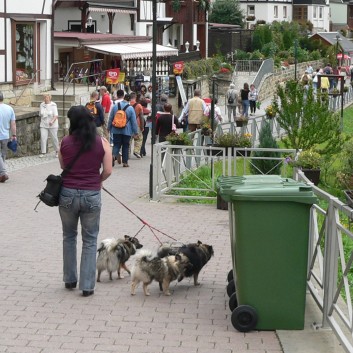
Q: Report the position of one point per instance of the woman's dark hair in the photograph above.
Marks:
(82, 126)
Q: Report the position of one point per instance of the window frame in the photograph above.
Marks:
(35, 54)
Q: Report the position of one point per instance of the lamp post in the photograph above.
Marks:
(295, 58)
(338, 38)
(154, 83)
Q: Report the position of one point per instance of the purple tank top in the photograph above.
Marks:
(85, 173)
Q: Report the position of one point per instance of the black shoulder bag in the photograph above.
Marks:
(51, 193)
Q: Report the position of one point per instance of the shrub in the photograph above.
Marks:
(266, 166)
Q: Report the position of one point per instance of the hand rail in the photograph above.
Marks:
(30, 82)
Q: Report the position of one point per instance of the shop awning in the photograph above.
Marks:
(346, 57)
(113, 8)
(132, 50)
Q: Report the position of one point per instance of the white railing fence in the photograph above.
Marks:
(330, 263)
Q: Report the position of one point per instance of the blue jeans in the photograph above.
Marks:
(246, 104)
(123, 142)
(83, 205)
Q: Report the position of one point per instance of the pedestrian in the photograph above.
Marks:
(148, 125)
(163, 99)
(95, 108)
(351, 72)
(244, 94)
(134, 102)
(232, 98)
(3, 174)
(7, 124)
(253, 99)
(80, 196)
(49, 124)
(122, 136)
(166, 122)
(217, 112)
(106, 104)
(315, 78)
(195, 109)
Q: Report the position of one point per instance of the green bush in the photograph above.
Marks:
(266, 166)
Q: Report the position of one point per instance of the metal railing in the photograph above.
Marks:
(330, 263)
(247, 67)
(27, 85)
(265, 69)
(172, 162)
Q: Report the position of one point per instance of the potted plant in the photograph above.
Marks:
(234, 140)
(250, 18)
(335, 92)
(309, 162)
(244, 140)
(270, 111)
(241, 121)
(179, 139)
(345, 89)
(206, 126)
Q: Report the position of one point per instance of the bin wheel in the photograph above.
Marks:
(233, 301)
(244, 318)
(230, 275)
(231, 287)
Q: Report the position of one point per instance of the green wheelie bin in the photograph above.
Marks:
(269, 229)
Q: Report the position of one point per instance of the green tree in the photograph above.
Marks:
(266, 166)
(226, 11)
(306, 119)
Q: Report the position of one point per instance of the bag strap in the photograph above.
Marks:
(71, 164)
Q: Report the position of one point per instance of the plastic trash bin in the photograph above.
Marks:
(269, 227)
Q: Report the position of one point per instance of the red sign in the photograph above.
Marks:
(112, 76)
(178, 67)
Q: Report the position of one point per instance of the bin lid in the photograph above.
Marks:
(265, 188)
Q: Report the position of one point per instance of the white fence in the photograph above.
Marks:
(331, 239)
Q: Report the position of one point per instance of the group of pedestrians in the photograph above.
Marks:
(242, 101)
(320, 82)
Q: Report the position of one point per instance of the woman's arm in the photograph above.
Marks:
(107, 160)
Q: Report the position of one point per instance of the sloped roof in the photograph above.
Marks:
(331, 38)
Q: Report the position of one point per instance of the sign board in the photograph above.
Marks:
(181, 89)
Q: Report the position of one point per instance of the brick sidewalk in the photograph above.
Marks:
(39, 315)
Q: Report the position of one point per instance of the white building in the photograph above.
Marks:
(25, 44)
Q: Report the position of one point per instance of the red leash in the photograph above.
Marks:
(152, 229)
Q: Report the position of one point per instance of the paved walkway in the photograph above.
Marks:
(39, 315)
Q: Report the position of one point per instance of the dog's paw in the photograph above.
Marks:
(147, 294)
(132, 293)
(197, 283)
(167, 293)
(120, 277)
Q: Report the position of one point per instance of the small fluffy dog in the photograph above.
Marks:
(149, 267)
(114, 253)
(197, 253)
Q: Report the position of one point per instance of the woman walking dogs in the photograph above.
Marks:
(80, 197)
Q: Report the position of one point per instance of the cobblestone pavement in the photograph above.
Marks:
(41, 316)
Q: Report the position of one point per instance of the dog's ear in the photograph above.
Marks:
(126, 237)
(199, 242)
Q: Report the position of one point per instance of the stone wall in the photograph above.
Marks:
(269, 84)
(28, 134)
(25, 93)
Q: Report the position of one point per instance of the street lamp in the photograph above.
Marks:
(154, 91)
(295, 58)
(338, 38)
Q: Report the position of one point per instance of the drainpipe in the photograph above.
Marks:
(52, 44)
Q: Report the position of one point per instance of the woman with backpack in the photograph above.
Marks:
(232, 98)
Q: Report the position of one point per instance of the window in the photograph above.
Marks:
(251, 10)
(284, 11)
(315, 12)
(275, 11)
(24, 52)
(300, 13)
(321, 11)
